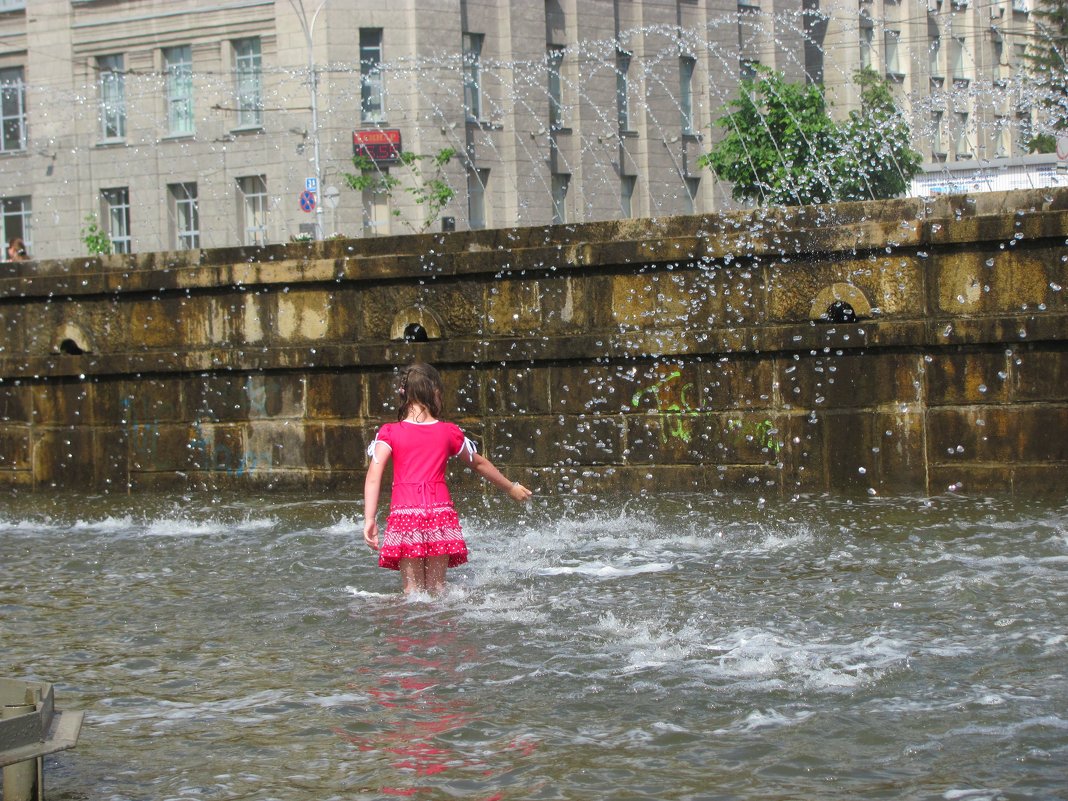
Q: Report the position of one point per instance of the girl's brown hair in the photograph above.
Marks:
(420, 383)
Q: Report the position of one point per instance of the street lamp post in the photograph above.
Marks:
(313, 88)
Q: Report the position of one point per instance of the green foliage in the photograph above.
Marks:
(1042, 143)
(875, 159)
(762, 433)
(782, 147)
(428, 189)
(1047, 54)
(96, 239)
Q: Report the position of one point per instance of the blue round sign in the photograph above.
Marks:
(307, 200)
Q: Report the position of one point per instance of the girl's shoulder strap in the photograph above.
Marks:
(384, 435)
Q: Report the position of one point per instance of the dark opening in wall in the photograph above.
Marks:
(839, 312)
(413, 332)
(70, 348)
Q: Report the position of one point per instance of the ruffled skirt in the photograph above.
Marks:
(420, 533)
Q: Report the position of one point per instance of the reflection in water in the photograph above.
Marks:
(683, 647)
(419, 726)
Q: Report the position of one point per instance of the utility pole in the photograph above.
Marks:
(313, 88)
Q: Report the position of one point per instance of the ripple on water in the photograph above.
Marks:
(818, 647)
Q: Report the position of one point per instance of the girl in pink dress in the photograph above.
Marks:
(423, 535)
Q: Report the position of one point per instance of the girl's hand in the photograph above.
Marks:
(518, 493)
(370, 534)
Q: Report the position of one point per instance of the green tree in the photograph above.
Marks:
(1047, 57)
(875, 159)
(777, 137)
(782, 147)
(430, 191)
(96, 239)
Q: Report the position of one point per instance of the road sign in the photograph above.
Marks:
(307, 200)
(331, 197)
(311, 184)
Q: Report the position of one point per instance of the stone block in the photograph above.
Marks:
(513, 307)
(335, 394)
(275, 395)
(519, 390)
(850, 380)
(218, 397)
(145, 400)
(64, 402)
(14, 447)
(463, 393)
(300, 315)
(967, 377)
(634, 301)
(162, 447)
(1038, 373)
(110, 457)
(337, 446)
(16, 402)
(218, 447)
(275, 444)
(898, 445)
(1003, 435)
(58, 457)
(154, 322)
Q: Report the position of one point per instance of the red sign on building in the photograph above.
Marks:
(379, 144)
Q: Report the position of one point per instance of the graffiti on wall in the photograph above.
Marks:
(671, 397)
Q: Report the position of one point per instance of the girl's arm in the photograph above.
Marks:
(372, 486)
(485, 468)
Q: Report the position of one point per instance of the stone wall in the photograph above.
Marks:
(684, 353)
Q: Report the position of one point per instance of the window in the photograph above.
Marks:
(17, 216)
(555, 58)
(185, 216)
(1019, 61)
(559, 190)
(12, 5)
(893, 64)
(937, 146)
(1024, 130)
(867, 41)
(112, 85)
(375, 201)
(626, 194)
(178, 67)
(959, 67)
(473, 76)
(934, 53)
(248, 72)
(252, 194)
(372, 83)
(623, 89)
(964, 144)
(1001, 68)
(116, 207)
(12, 110)
(1002, 137)
(693, 186)
(686, 68)
(476, 198)
(747, 69)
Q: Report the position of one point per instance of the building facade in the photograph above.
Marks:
(178, 124)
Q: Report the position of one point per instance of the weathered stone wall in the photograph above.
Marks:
(681, 353)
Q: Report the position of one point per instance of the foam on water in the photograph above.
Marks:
(637, 651)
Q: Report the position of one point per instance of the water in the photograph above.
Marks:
(681, 647)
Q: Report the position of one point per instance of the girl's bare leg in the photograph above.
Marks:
(434, 576)
(413, 575)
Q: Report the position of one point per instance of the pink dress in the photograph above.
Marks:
(422, 521)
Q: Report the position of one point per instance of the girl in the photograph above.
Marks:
(423, 535)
